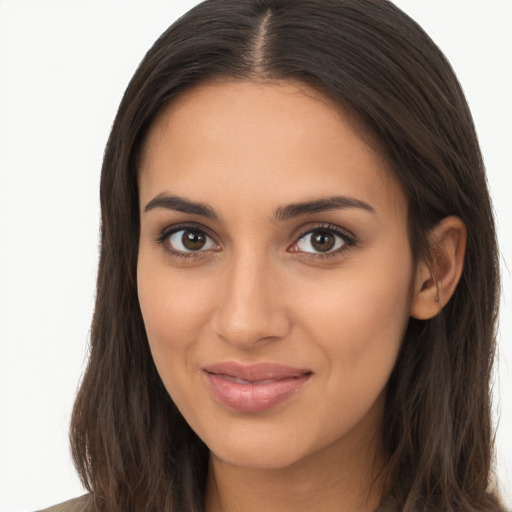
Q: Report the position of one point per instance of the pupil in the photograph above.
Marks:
(193, 240)
(323, 241)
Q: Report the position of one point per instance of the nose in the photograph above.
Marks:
(251, 307)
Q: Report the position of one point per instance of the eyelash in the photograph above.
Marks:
(348, 241)
(348, 238)
(167, 232)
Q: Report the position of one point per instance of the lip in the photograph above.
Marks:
(254, 387)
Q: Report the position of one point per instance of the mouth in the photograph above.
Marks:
(254, 387)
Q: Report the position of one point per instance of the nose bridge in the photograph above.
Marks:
(250, 308)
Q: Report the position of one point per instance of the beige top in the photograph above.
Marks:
(74, 505)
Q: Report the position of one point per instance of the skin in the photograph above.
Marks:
(259, 291)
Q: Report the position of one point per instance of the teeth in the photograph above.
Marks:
(268, 381)
(238, 380)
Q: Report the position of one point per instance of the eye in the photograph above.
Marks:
(323, 241)
(188, 240)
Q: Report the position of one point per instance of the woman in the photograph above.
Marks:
(298, 279)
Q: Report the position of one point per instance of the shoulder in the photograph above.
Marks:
(74, 505)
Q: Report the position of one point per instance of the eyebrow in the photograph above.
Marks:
(282, 213)
(180, 204)
(320, 205)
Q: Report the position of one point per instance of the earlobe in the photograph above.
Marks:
(436, 280)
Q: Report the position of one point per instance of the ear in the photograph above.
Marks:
(436, 280)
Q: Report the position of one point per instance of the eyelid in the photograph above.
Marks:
(315, 226)
(348, 237)
(168, 231)
(173, 228)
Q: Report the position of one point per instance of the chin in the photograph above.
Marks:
(255, 457)
(260, 446)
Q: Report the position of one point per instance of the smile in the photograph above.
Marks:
(256, 387)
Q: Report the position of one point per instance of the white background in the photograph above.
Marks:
(63, 68)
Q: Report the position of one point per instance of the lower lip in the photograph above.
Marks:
(256, 396)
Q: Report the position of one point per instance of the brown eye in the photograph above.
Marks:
(321, 241)
(191, 240)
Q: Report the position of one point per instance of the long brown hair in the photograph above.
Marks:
(133, 449)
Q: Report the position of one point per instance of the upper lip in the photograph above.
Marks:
(256, 371)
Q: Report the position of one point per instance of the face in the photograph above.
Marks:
(274, 271)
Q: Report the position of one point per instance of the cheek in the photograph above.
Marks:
(170, 300)
(174, 310)
(358, 320)
(356, 323)
(169, 310)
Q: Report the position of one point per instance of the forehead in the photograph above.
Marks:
(283, 141)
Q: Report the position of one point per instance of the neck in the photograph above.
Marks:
(347, 477)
